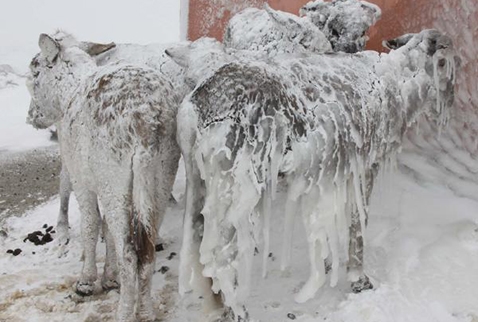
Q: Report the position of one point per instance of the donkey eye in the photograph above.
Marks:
(441, 62)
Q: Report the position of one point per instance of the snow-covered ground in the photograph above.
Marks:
(421, 244)
(422, 255)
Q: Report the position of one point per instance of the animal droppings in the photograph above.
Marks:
(159, 247)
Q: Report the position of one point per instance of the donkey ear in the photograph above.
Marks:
(373, 11)
(282, 19)
(49, 47)
(94, 49)
(397, 42)
(180, 55)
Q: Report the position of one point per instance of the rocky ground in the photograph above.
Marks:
(27, 179)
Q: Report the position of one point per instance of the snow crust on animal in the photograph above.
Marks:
(152, 56)
(329, 122)
(117, 140)
(277, 32)
(324, 26)
(344, 22)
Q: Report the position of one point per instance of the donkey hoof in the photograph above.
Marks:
(362, 284)
(109, 285)
(84, 289)
(327, 265)
(62, 235)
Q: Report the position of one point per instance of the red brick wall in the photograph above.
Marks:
(457, 18)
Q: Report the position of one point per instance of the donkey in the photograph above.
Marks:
(152, 56)
(324, 27)
(117, 140)
(339, 117)
(344, 22)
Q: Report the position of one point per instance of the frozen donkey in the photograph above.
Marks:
(151, 56)
(328, 122)
(117, 126)
(338, 25)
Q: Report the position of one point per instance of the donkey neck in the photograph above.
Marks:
(70, 78)
(405, 69)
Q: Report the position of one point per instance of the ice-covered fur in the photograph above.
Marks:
(340, 117)
(206, 54)
(152, 56)
(274, 32)
(344, 22)
(325, 26)
(117, 139)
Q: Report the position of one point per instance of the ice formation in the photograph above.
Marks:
(152, 56)
(328, 122)
(325, 26)
(117, 140)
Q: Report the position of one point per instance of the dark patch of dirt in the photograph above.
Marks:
(27, 179)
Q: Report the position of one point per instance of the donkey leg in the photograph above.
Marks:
(146, 263)
(190, 269)
(109, 280)
(146, 270)
(355, 270)
(62, 225)
(88, 204)
(117, 215)
(359, 280)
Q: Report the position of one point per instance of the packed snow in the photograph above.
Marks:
(421, 240)
(422, 256)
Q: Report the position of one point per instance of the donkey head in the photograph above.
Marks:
(344, 22)
(52, 71)
(431, 53)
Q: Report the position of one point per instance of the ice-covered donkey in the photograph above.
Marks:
(339, 25)
(344, 22)
(117, 139)
(340, 116)
(151, 56)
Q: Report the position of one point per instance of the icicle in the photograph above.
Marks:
(290, 210)
(340, 207)
(266, 212)
(332, 242)
(317, 271)
(358, 192)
